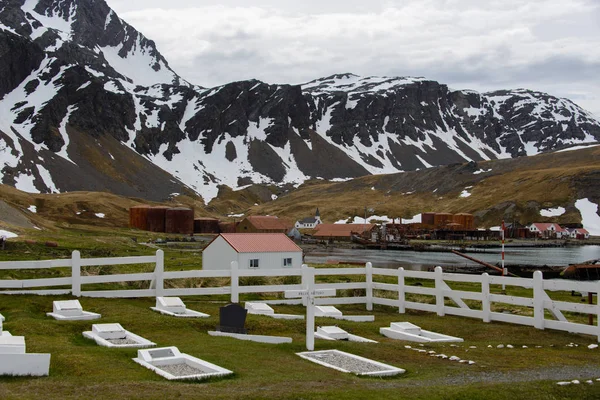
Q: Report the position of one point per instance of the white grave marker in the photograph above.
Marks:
(70, 310)
(309, 295)
(175, 307)
(265, 309)
(170, 363)
(114, 335)
(414, 333)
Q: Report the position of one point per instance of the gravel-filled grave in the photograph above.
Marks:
(350, 363)
(122, 341)
(183, 369)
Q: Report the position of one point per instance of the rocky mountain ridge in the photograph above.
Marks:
(88, 103)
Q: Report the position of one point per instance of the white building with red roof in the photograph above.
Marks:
(548, 230)
(252, 251)
(578, 233)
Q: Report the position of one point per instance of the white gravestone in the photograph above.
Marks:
(332, 312)
(413, 333)
(114, 335)
(336, 333)
(309, 295)
(171, 364)
(70, 310)
(265, 309)
(175, 307)
(14, 361)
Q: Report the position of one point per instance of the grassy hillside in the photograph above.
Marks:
(81, 369)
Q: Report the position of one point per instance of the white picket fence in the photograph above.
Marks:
(399, 294)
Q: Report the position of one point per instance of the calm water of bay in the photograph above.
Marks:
(559, 256)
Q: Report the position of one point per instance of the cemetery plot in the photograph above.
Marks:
(350, 363)
(413, 333)
(171, 364)
(175, 307)
(336, 333)
(70, 310)
(14, 361)
(232, 320)
(332, 312)
(265, 309)
(114, 335)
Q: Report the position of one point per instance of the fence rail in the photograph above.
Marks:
(433, 296)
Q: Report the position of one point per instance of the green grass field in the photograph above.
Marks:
(81, 369)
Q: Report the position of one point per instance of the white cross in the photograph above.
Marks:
(309, 293)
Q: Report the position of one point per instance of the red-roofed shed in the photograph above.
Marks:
(252, 251)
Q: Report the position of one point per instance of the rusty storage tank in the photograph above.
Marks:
(138, 217)
(156, 219)
(469, 221)
(428, 218)
(442, 219)
(460, 220)
(179, 220)
(206, 225)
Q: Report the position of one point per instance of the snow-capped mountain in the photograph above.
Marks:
(88, 103)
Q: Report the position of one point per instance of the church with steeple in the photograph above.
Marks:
(310, 222)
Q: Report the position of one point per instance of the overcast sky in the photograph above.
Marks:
(547, 45)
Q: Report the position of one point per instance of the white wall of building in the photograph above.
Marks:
(270, 260)
(219, 255)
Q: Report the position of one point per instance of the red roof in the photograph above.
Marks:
(544, 226)
(269, 222)
(341, 230)
(260, 242)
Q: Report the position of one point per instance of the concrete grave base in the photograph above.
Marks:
(15, 362)
(332, 312)
(253, 338)
(70, 310)
(25, 364)
(258, 308)
(350, 363)
(335, 333)
(175, 307)
(171, 364)
(113, 335)
(413, 333)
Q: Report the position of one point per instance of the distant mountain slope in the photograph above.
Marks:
(509, 189)
(88, 103)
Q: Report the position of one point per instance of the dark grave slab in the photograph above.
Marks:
(232, 319)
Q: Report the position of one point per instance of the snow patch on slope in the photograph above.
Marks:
(589, 216)
(552, 212)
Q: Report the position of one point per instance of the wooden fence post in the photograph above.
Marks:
(304, 281)
(310, 309)
(76, 273)
(439, 291)
(485, 297)
(159, 273)
(538, 300)
(235, 283)
(369, 279)
(401, 292)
